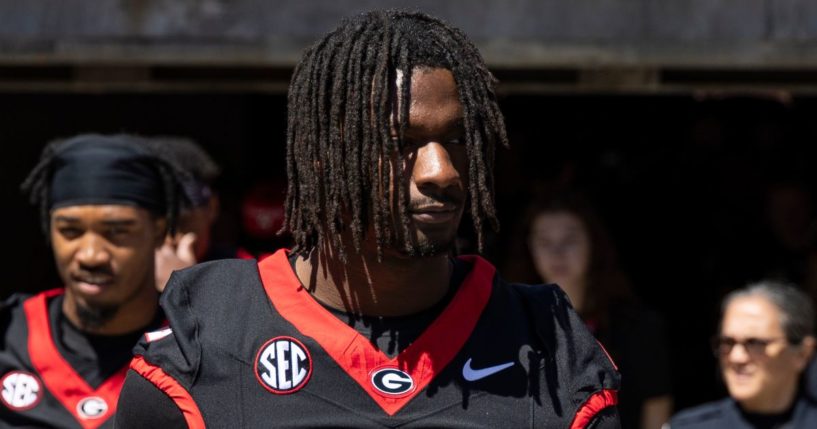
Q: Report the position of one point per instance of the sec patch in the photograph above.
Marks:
(21, 390)
(283, 365)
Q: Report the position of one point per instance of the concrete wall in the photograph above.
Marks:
(511, 33)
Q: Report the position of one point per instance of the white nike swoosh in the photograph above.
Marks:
(471, 374)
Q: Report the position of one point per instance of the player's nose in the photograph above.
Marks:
(433, 167)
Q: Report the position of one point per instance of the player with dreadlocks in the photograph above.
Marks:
(344, 84)
(369, 321)
(106, 203)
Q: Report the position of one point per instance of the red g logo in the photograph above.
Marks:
(92, 407)
(391, 381)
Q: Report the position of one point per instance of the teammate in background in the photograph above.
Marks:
(191, 242)
(106, 203)
(568, 245)
(368, 321)
(765, 341)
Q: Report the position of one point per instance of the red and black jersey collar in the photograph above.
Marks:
(59, 377)
(424, 359)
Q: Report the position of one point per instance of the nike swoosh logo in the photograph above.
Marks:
(471, 374)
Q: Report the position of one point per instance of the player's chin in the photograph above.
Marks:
(434, 245)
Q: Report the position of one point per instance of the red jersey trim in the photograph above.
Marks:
(422, 360)
(57, 374)
(167, 384)
(597, 402)
(610, 358)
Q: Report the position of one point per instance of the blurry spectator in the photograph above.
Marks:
(191, 242)
(765, 341)
(567, 245)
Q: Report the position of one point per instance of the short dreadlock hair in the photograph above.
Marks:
(38, 183)
(340, 100)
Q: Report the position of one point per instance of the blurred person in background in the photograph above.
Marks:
(190, 242)
(106, 204)
(566, 244)
(262, 218)
(262, 213)
(764, 344)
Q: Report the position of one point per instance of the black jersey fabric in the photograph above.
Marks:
(726, 413)
(391, 335)
(250, 347)
(54, 375)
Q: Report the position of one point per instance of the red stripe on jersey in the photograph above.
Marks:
(610, 358)
(597, 402)
(57, 374)
(422, 360)
(164, 382)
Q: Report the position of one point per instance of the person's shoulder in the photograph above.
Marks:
(14, 329)
(708, 415)
(12, 308)
(208, 281)
(215, 270)
(560, 330)
(200, 305)
(544, 294)
(14, 301)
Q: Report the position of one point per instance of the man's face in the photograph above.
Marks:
(435, 161)
(105, 253)
(758, 376)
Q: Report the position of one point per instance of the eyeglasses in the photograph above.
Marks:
(755, 347)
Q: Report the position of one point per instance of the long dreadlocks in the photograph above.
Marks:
(38, 183)
(339, 130)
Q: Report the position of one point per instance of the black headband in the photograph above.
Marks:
(95, 169)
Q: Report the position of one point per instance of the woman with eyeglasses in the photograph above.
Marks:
(764, 344)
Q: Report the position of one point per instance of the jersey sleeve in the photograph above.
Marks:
(574, 357)
(164, 368)
(142, 404)
(605, 419)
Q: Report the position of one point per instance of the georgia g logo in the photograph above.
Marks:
(283, 365)
(92, 407)
(391, 381)
(21, 390)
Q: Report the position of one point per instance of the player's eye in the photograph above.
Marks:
(69, 232)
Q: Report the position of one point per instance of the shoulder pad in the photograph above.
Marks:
(569, 347)
(201, 304)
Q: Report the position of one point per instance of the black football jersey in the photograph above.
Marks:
(248, 346)
(39, 387)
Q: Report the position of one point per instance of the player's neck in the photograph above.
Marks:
(396, 286)
(135, 314)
